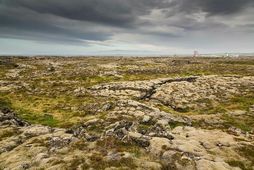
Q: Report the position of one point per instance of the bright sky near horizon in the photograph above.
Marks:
(125, 27)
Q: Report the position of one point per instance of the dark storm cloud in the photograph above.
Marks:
(99, 20)
(21, 18)
(26, 24)
(113, 12)
(90, 10)
(213, 7)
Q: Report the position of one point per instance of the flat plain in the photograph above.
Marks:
(127, 113)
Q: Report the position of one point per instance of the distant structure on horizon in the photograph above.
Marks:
(196, 54)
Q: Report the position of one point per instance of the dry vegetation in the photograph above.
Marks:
(126, 112)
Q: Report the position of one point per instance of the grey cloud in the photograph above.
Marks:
(35, 16)
(75, 21)
(113, 12)
(212, 7)
(217, 7)
(19, 22)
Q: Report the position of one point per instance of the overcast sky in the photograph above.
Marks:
(140, 27)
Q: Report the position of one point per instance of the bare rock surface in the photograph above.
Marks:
(105, 114)
(182, 95)
(187, 147)
(178, 93)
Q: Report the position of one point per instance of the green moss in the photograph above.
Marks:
(242, 102)
(237, 62)
(165, 108)
(77, 163)
(93, 80)
(80, 145)
(143, 128)
(97, 128)
(27, 115)
(238, 164)
(99, 163)
(44, 119)
(244, 123)
(110, 143)
(7, 64)
(213, 110)
(183, 110)
(247, 152)
(65, 110)
(54, 95)
(4, 103)
(39, 142)
(216, 110)
(8, 133)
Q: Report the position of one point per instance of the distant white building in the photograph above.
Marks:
(196, 54)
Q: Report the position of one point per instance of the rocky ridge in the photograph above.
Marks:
(165, 140)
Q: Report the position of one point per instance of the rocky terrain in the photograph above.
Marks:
(126, 113)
